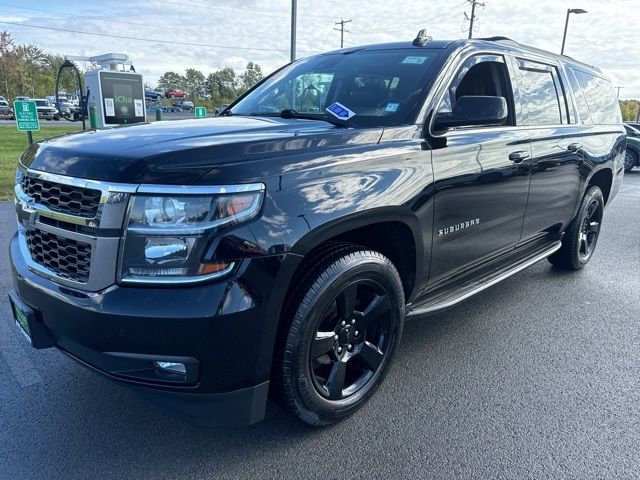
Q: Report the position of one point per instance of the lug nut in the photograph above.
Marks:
(339, 349)
(356, 333)
(343, 323)
(349, 347)
(335, 337)
(353, 320)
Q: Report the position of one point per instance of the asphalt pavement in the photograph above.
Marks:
(536, 377)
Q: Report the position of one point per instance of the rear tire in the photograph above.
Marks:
(630, 160)
(581, 237)
(344, 322)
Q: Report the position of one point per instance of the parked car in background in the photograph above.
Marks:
(61, 96)
(21, 98)
(2, 99)
(218, 110)
(6, 112)
(45, 110)
(175, 93)
(184, 106)
(632, 156)
(152, 95)
(74, 99)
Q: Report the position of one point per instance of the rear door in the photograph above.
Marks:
(545, 107)
(481, 175)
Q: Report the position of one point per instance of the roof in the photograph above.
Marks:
(505, 43)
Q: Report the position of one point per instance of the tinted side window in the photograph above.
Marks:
(480, 75)
(581, 103)
(600, 97)
(540, 103)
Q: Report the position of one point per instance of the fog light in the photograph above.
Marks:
(172, 367)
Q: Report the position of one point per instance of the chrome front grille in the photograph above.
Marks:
(66, 257)
(70, 228)
(70, 199)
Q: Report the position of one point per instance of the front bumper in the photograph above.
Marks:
(225, 331)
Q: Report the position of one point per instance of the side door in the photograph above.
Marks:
(545, 107)
(481, 174)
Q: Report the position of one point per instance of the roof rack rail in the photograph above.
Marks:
(505, 40)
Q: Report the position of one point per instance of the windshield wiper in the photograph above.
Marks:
(291, 113)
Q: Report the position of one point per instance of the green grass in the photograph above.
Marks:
(12, 144)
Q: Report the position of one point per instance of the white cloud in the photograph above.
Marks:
(603, 37)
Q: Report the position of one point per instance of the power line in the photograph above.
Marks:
(207, 4)
(104, 19)
(153, 40)
(342, 30)
(413, 26)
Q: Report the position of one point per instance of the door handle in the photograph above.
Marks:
(573, 147)
(519, 156)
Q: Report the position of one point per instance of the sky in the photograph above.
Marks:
(233, 32)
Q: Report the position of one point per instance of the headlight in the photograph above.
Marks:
(167, 235)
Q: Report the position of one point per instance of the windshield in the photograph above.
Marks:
(364, 88)
(43, 103)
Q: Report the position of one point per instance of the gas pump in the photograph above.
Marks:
(114, 92)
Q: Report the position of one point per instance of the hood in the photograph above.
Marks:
(179, 152)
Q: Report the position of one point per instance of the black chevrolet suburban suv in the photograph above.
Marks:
(278, 248)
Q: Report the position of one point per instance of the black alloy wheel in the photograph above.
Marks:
(351, 340)
(590, 229)
(581, 236)
(630, 160)
(344, 322)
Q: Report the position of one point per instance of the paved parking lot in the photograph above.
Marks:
(537, 377)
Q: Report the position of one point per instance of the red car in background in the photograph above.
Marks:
(175, 93)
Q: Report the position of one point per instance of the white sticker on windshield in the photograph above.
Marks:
(392, 107)
(415, 60)
(109, 108)
(340, 111)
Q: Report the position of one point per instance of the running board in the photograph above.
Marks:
(444, 297)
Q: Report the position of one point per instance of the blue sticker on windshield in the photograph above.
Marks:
(392, 107)
(415, 60)
(340, 111)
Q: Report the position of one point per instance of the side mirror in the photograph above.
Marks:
(474, 111)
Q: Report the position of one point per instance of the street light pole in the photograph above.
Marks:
(294, 13)
(577, 11)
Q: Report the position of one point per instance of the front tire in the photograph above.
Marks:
(630, 160)
(581, 237)
(344, 323)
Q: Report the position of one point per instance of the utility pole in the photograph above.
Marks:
(294, 14)
(342, 30)
(618, 87)
(473, 15)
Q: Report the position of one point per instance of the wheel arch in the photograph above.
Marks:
(393, 231)
(602, 178)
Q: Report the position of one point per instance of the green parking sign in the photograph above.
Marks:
(200, 112)
(26, 115)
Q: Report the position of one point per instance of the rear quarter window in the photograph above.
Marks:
(540, 96)
(600, 97)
